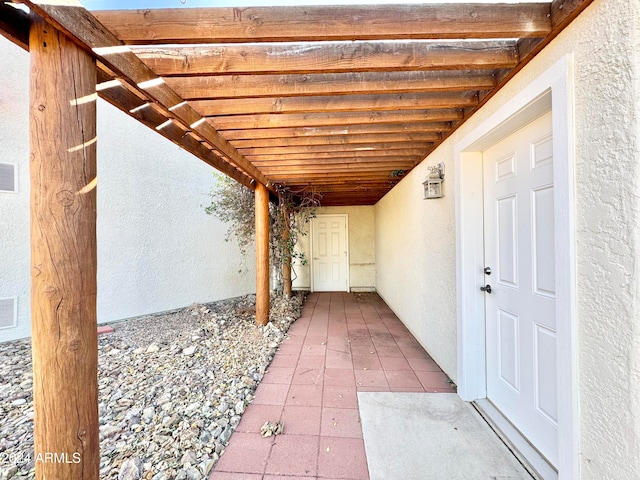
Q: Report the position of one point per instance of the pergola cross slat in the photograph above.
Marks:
(329, 58)
(338, 22)
(89, 33)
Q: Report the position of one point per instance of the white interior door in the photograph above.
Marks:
(330, 258)
(520, 310)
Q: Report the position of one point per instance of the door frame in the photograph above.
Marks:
(552, 90)
(311, 246)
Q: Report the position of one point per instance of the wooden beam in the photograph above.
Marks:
(14, 25)
(82, 27)
(244, 86)
(339, 130)
(379, 169)
(319, 179)
(258, 144)
(127, 102)
(339, 103)
(360, 168)
(328, 23)
(288, 166)
(239, 122)
(304, 58)
(63, 256)
(354, 156)
(262, 254)
(564, 11)
(310, 150)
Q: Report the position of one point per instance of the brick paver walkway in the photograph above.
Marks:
(343, 343)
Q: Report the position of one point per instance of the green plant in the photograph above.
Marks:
(234, 204)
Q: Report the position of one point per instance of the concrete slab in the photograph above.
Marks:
(419, 436)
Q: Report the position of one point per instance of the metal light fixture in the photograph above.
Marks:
(433, 183)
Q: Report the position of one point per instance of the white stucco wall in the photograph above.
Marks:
(419, 284)
(362, 260)
(157, 249)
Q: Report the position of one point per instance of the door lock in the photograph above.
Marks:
(486, 288)
(487, 270)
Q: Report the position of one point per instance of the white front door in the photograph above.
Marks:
(520, 309)
(330, 258)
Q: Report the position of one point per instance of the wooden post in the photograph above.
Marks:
(286, 263)
(63, 256)
(262, 255)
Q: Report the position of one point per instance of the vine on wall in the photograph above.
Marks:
(234, 204)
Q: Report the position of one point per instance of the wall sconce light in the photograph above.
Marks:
(433, 183)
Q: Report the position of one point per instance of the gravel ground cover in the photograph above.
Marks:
(172, 389)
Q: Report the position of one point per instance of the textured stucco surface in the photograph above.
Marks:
(14, 207)
(415, 239)
(362, 260)
(157, 249)
(415, 249)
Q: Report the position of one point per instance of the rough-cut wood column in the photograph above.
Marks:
(63, 257)
(287, 288)
(262, 255)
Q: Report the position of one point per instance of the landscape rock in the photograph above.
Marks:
(171, 396)
(131, 469)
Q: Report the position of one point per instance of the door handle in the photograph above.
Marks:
(486, 288)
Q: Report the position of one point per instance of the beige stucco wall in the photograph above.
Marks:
(415, 238)
(362, 260)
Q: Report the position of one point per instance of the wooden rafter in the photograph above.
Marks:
(352, 147)
(341, 130)
(387, 138)
(84, 29)
(310, 23)
(237, 122)
(245, 86)
(328, 98)
(339, 103)
(335, 57)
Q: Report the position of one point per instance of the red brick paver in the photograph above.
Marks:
(342, 344)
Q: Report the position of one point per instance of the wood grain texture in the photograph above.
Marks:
(318, 76)
(338, 103)
(564, 11)
(340, 130)
(14, 25)
(240, 122)
(245, 86)
(88, 32)
(63, 256)
(328, 23)
(334, 57)
(311, 150)
(262, 254)
(385, 138)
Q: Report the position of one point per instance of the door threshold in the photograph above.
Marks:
(527, 455)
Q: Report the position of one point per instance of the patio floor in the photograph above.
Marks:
(342, 343)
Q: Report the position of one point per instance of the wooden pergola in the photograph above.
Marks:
(340, 100)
